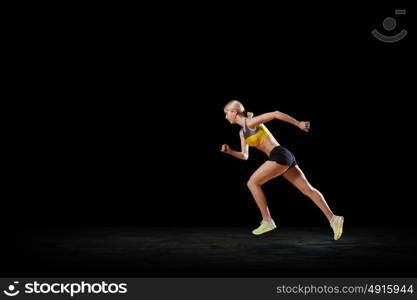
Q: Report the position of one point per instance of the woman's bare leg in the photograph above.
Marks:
(263, 174)
(297, 178)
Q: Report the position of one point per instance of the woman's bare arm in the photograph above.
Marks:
(266, 117)
(243, 154)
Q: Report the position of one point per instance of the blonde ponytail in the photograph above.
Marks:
(247, 114)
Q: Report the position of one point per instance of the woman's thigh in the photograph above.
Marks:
(266, 172)
(296, 176)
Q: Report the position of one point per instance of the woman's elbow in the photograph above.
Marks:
(277, 114)
(245, 156)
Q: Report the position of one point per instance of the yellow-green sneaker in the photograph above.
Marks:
(337, 225)
(264, 227)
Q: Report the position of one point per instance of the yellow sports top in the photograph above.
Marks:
(254, 137)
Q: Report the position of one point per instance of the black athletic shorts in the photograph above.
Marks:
(282, 156)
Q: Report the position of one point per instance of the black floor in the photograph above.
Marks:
(207, 252)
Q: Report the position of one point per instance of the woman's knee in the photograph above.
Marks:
(252, 183)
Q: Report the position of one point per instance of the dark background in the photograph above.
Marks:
(118, 119)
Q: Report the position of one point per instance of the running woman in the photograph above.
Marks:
(281, 162)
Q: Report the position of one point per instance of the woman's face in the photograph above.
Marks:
(230, 115)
